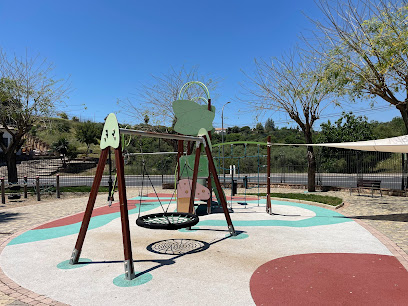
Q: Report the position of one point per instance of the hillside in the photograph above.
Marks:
(52, 129)
(249, 158)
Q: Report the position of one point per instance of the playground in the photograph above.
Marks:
(304, 254)
(198, 244)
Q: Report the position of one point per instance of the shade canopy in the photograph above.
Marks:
(395, 144)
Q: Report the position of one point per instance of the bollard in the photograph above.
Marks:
(37, 187)
(3, 194)
(245, 182)
(234, 187)
(25, 187)
(58, 187)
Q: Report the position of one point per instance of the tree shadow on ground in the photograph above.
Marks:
(6, 216)
(388, 217)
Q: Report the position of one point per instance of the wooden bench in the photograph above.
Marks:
(372, 184)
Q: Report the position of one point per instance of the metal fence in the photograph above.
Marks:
(335, 167)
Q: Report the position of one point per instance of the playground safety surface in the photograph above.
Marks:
(302, 254)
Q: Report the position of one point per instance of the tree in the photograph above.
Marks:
(63, 127)
(63, 115)
(28, 92)
(393, 128)
(365, 42)
(89, 133)
(245, 130)
(294, 84)
(146, 119)
(233, 130)
(65, 149)
(155, 99)
(259, 129)
(348, 128)
(269, 125)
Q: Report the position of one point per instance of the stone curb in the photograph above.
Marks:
(391, 246)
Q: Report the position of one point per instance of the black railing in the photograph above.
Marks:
(339, 168)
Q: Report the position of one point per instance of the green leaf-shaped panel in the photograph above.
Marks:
(191, 117)
(203, 132)
(110, 133)
(187, 166)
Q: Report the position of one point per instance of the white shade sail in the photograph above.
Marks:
(395, 144)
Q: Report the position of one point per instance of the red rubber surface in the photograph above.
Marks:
(96, 212)
(331, 279)
(113, 209)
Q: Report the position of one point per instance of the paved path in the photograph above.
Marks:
(388, 215)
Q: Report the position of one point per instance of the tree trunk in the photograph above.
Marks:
(11, 166)
(311, 162)
(404, 114)
(311, 170)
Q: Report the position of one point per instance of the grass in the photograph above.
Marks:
(83, 189)
(329, 200)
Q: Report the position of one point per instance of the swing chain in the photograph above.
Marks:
(145, 173)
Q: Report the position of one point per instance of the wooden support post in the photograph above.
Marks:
(180, 147)
(268, 179)
(190, 147)
(214, 174)
(89, 207)
(25, 186)
(110, 181)
(3, 192)
(195, 175)
(124, 215)
(37, 187)
(58, 187)
(209, 201)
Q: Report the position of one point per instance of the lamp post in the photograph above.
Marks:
(222, 140)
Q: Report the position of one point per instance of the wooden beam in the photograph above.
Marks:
(124, 215)
(268, 180)
(214, 174)
(180, 149)
(89, 207)
(209, 201)
(195, 175)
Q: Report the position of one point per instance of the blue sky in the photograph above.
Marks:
(108, 48)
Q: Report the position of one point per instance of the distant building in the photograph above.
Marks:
(7, 138)
(220, 131)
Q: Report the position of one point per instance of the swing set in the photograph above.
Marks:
(169, 221)
(268, 144)
(165, 220)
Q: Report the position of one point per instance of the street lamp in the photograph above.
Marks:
(222, 140)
